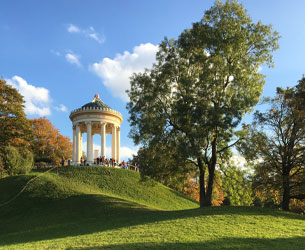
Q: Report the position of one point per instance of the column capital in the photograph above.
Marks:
(89, 122)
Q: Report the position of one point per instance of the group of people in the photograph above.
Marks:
(103, 161)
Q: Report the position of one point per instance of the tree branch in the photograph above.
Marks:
(225, 148)
(298, 196)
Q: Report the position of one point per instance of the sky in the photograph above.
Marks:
(60, 53)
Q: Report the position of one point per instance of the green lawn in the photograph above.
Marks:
(88, 208)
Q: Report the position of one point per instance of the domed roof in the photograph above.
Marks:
(96, 103)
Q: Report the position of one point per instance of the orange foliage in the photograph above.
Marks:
(191, 189)
(217, 197)
(49, 145)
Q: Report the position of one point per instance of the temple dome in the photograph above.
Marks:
(97, 103)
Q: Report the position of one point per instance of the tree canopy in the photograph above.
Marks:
(15, 129)
(276, 145)
(49, 145)
(201, 86)
(16, 132)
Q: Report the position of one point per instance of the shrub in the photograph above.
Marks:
(40, 164)
(2, 170)
(27, 162)
(11, 160)
(15, 163)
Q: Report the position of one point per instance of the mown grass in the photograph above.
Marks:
(88, 208)
(128, 185)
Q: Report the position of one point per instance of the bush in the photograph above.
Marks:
(2, 170)
(15, 163)
(27, 162)
(40, 164)
(11, 160)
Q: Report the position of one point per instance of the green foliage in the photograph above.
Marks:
(15, 132)
(164, 164)
(237, 187)
(68, 211)
(276, 146)
(11, 160)
(201, 86)
(16, 163)
(27, 162)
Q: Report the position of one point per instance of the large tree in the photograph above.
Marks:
(49, 145)
(15, 129)
(15, 133)
(277, 145)
(201, 86)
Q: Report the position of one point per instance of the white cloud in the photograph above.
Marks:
(62, 108)
(90, 32)
(94, 35)
(127, 152)
(73, 59)
(37, 99)
(73, 29)
(115, 73)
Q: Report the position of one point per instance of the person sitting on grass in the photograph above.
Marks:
(124, 164)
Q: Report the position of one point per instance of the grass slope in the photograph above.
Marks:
(87, 208)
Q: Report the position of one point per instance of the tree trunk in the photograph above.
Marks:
(211, 168)
(206, 198)
(286, 191)
(202, 195)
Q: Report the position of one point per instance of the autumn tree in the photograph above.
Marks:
(276, 145)
(49, 145)
(201, 86)
(15, 130)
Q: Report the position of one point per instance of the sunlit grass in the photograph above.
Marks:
(87, 209)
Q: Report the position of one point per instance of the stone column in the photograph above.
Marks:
(74, 161)
(113, 146)
(118, 145)
(103, 139)
(77, 144)
(89, 143)
(81, 144)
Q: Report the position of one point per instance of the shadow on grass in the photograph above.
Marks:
(12, 185)
(223, 243)
(45, 218)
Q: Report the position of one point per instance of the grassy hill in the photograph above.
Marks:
(104, 208)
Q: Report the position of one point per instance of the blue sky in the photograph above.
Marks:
(60, 53)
